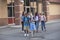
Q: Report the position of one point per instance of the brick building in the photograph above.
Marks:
(10, 10)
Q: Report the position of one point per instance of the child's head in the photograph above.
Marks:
(41, 13)
(25, 14)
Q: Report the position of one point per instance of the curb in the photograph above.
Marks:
(19, 26)
(3, 26)
(15, 26)
(52, 21)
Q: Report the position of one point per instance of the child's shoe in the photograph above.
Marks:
(25, 34)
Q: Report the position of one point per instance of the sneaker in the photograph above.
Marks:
(25, 34)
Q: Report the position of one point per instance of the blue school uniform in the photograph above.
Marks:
(32, 26)
(26, 22)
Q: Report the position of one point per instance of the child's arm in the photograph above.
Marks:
(45, 18)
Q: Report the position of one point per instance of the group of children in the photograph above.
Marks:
(31, 23)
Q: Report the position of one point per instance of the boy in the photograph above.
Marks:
(26, 25)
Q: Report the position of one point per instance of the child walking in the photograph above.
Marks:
(32, 25)
(36, 21)
(26, 25)
(43, 19)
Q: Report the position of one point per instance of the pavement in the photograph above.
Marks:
(15, 33)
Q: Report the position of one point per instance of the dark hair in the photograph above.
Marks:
(43, 14)
(36, 14)
(23, 14)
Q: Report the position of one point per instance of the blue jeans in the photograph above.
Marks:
(43, 25)
(37, 25)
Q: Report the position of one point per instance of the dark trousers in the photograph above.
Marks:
(22, 26)
(43, 25)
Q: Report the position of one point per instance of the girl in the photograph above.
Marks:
(32, 25)
(36, 21)
(43, 19)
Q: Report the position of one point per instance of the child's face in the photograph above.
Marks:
(40, 14)
(25, 15)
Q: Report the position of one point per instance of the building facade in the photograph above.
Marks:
(11, 10)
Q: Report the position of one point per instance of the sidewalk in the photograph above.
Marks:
(18, 26)
(53, 21)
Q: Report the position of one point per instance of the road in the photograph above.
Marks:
(12, 33)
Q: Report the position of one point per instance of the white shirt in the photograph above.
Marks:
(42, 18)
(36, 18)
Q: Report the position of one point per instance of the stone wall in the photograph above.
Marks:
(3, 12)
(54, 11)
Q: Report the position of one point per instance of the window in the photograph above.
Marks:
(26, 2)
(11, 15)
(11, 9)
(27, 6)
